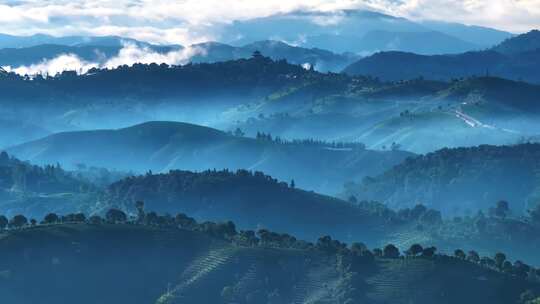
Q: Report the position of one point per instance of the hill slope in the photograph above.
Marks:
(460, 180)
(137, 264)
(160, 146)
(516, 58)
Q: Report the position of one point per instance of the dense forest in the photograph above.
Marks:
(461, 180)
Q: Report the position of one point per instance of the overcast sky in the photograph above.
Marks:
(190, 21)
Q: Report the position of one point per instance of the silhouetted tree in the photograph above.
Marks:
(391, 251)
(115, 216)
(499, 258)
(293, 184)
(415, 250)
(358, 248)
(3, 222)
(429, 252)
(51, 218)
(18, 221)
(460, 254)
(501, 210)
(140, 212)
(95, 220)
(473, 256)
(239, 133)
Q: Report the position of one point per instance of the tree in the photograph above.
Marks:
(429, 252)
(3, 222)
(391, 251)
(501, 210)
(358, 248)
(293, 184)
(95, 220)
(499, 258)
(414, 250)
(33, 222)
(460, 254)
(377, 252)
(239, 133)
(140, 211)
(473, 256)
(18, 221)
(116, 216)
(51, 218)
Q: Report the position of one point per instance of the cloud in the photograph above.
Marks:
(129, 55)
(192, 21)
(65, 62)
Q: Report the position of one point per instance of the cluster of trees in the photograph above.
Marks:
(310, 142)
(22, 176)
(452, 179)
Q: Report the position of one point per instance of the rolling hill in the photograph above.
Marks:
(321, 60)
(460, 180)
(145, 264)
(161, 146)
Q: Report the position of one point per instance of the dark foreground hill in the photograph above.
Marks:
(160, 146)
(255, 200)
(461, 180)
(118, 263)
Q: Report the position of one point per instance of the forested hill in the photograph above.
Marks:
(175, 260)
(36, 190)
(461, 180)
(256, 200)
(18, 176)
(254, 77)
(161, 146)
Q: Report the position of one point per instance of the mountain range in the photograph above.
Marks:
(516, 58)
(362, 32)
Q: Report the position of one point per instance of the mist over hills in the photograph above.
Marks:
(284, 100)
(161, 146)
(129, 52)
(355, 31)
(233, 171)
(515, 58)
(460, 181)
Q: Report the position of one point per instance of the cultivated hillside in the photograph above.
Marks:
(160, 146)
(460, 180)
(149, 264)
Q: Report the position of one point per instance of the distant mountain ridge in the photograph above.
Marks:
(94, 52)
(516, 58)
(343, 31)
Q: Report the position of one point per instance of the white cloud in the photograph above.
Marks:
(129, 55)
(65, 62)
(191, 21)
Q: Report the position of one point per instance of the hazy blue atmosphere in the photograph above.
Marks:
(276, 152)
